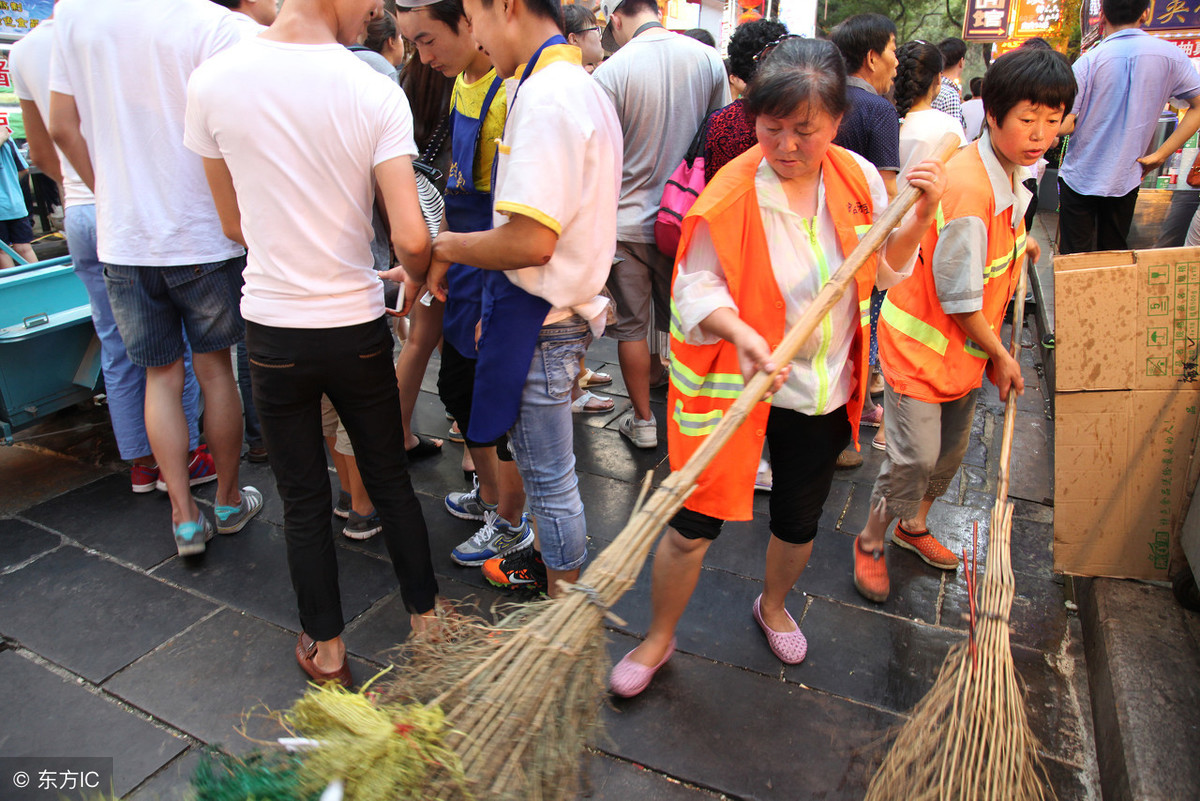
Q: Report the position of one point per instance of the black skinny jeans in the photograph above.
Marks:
(291, 368)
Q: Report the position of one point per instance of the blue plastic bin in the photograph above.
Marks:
(49, 353)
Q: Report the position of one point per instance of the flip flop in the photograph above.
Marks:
(455, 435)
(425, 447)
(590, 403)
(588, 378)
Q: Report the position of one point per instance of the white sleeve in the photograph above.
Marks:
(700, 288)
(196, 135)
(887, 275)
(395, 123)
(541, 182)
(15, 69)
(60, 75)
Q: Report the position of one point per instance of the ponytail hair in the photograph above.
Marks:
(920, 64)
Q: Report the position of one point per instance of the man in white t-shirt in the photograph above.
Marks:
(313, 302)
(124, 381)
(558, 174)
(663, 85)
(118, 82)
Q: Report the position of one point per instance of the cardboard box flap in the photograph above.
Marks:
(1092, 261)
(1095, 323)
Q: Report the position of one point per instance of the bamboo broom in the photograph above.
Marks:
(521, 697)
(969, 738)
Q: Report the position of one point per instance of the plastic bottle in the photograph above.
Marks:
(1172, 168)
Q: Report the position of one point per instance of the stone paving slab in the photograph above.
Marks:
(20, 542)
(203, 681)
(32, 474)
(106, 516)
(90, 615)
(48, 715)
(747, 735)
(248, 571)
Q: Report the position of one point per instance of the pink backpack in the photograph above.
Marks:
(683, 187)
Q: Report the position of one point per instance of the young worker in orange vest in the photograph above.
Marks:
(940, 329)
(757, 247)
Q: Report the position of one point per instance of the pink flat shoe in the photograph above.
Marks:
(790, 646)
(628, 678)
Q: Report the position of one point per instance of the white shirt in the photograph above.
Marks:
(973, 118)
(301, 128)
(560, 164)
(804, 255)
(920, 132)
(29, 63)
(127, 64)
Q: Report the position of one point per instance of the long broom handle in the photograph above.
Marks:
(825, 300)
(1010, 403)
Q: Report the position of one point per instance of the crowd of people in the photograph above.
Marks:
(293, 189)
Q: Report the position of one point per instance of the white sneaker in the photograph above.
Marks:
(642, 433)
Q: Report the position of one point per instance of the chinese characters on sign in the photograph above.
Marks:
(1036, 18)
(986, 20)
(1173, 15)
(18, 17)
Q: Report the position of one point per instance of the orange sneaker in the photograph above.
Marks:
(925, 546)
(870, 574)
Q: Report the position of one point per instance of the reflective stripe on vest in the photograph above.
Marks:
(696, 424)
(713, 385)
(914, 327)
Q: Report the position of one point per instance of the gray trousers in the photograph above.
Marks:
(925, 445)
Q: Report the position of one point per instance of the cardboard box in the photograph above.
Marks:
(1127, 353)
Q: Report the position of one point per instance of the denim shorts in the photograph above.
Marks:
(150, 303)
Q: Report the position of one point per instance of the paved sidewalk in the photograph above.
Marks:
(114, 645)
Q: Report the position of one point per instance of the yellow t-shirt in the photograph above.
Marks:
(468, 100)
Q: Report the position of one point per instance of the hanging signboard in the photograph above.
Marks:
(986, 20)
(1173, 15)
(18, 17)
(1036, 18)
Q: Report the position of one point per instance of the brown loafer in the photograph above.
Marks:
(306, 650)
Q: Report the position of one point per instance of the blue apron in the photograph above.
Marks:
(467, 210)
(505, 348)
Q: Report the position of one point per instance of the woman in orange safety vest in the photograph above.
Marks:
(760, 242)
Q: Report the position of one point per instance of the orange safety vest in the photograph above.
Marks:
(706, 379)
(925, 354)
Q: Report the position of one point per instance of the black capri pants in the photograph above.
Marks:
(456, 387)
(804, 451)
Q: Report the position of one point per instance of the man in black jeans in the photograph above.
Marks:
(313, 303)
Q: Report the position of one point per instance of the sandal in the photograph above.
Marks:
(873, 417)
(455, 434)
(588, 379)
(426, 446)
(590, 403)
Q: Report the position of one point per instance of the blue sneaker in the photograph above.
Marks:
(468, 505)
(232, 519)
(496, 537)
(190, 537)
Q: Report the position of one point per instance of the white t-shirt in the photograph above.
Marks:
(662, 84)
(29, 63)
(973, 118)
(919, 132)
(127, 64)
(560, 164)
(301, 128)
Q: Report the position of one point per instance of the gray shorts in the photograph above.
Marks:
(331, 427)
(640, 285)
(925, 445)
